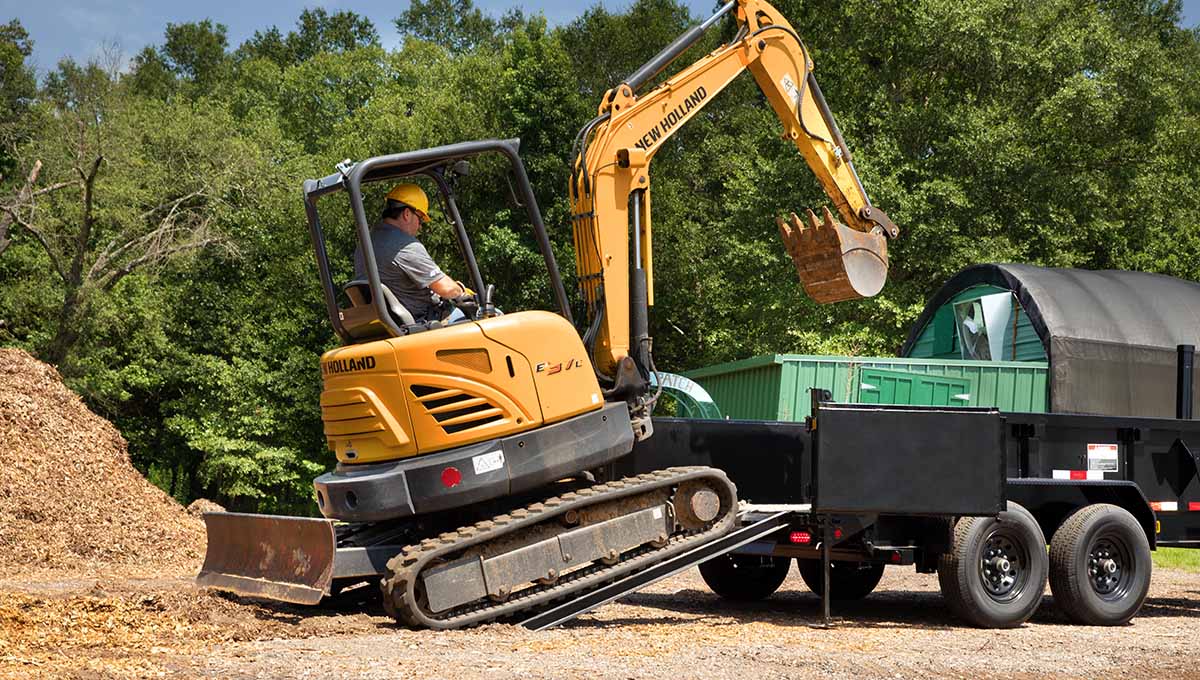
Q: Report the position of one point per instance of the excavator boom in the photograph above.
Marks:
(611, 183)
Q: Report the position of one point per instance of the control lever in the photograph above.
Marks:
(489, 309)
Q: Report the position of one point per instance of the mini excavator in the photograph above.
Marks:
(473, 457)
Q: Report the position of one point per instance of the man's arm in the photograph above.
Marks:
(446, 288)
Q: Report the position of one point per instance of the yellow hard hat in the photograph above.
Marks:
(412, 196)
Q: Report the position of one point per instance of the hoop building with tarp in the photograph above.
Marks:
(1109, 337)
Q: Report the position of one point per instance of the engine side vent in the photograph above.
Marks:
(473, 359)
(456, 410)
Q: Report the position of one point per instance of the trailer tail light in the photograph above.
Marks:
(1193, 506)
(837, 533)
(800, 537)
(451, 477)
(896, 556)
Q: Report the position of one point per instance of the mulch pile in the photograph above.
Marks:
(69, 497)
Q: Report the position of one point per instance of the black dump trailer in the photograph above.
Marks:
(973, 495)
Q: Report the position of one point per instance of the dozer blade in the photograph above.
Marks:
(835, 263)
(279, 558)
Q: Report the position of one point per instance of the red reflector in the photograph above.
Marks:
(895, 556)
(800, 537)
(1193, 506)
(837, 533)
(1078, 474)
(451, 477)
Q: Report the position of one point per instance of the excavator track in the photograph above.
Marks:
(481, 573)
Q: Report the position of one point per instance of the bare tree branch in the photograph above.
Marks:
(51, 188)
(159, 254)
(23, 195)
(41, 238)
(166, 229)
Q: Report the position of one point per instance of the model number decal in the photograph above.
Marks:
(551, 369)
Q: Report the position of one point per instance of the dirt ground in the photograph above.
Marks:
(108, 625)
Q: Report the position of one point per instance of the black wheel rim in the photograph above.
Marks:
(1004, 565)
(1110, 567)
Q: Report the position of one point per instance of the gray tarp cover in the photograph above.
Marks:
(1110, 335)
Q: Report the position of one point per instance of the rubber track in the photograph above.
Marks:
(399, 597)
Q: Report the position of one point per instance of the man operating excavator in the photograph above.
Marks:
(405, 266)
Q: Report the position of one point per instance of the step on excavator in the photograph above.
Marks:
(474, 457)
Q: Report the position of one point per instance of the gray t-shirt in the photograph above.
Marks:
(405, 267)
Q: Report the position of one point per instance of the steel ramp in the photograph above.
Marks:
(634, 582)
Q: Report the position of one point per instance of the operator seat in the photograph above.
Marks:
(361, 319)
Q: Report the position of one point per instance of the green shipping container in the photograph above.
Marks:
(776, 386)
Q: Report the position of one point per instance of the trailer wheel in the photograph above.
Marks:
(847, 580)
(1100, 566)
(995, 573)
(744, 577)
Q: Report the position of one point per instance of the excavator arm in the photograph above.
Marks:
(610, 187)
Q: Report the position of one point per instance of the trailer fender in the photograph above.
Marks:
(1052, 501)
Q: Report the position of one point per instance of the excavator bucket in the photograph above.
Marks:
(279, 558)
(835, 262)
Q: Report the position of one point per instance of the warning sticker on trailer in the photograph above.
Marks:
(1102, 457)
(486, 462)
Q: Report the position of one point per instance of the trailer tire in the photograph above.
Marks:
(744, 577)
(995, 572)
(847, 580)
(1100, 566)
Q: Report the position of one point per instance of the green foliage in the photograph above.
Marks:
(457, 25)
(18, 87)
(196, 51)
(316, 32)
(1058, 133)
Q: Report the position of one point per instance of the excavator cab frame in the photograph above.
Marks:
(373, 316)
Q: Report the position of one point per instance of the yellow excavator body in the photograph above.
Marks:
(466, 383)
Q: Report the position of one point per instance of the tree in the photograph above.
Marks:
(17, 90)
(197, 51)
(316, 32)
(456, 25)
(606, 47)
(151, 75)
(194, 52)
(139, 184)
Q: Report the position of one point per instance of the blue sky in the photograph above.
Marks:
(80, 28)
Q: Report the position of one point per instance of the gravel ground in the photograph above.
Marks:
(105, 627)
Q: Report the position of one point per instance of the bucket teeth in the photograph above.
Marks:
(812, 219)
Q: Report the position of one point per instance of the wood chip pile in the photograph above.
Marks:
(69, 497)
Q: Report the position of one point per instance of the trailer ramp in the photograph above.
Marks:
(634, 582)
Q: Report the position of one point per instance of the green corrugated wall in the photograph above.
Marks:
(775, 386)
